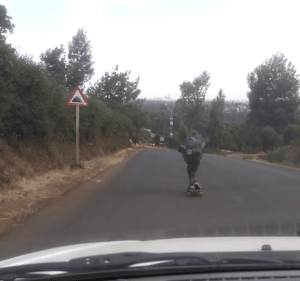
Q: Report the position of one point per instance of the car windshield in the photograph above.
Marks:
(143, 120)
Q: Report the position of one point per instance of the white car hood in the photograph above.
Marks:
(215, 244)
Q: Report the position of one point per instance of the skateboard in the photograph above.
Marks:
(194, 191)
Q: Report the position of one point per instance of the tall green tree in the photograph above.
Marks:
(80, 65)
(6, 26)
(216, 118)
(116, 88)
(274, 93)
(193, 96)
(194, 92)
(29, 93)
(55, 60)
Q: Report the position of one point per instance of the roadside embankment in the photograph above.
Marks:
(24, 196)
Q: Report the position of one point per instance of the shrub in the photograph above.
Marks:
(270, 139)
(296, 142)
(156, 139)
(225, 140)
(144, 136)
(173, 142)
(291, 133)
(296, 159)
(277, 156)
(248, 139)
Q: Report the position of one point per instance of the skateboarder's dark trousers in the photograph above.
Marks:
(192, 169)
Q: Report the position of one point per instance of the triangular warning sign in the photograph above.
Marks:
(77, 98)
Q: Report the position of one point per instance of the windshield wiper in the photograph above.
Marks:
(138, 261)
(121, 261)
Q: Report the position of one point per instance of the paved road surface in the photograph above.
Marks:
(145, 199)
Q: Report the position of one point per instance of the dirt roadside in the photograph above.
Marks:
(27, 196)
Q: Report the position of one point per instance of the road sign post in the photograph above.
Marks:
(77, 99)
(77, 135)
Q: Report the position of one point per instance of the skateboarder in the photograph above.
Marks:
(192, 154)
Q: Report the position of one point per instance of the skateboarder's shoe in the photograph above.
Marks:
(194, 190)
(197, 186)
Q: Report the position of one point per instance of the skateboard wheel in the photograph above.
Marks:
(188, 194)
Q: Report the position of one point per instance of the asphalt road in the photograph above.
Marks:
(144, 198)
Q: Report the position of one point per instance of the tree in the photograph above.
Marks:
(194, 92)
(274, 93)
(178, 113)
(5, 24)
(55, 61)
(79, 69)
(216, 118)
(116, 88)
(193, 96)
(120, 94)
(29, 94)
(134, 111)
(183, 132)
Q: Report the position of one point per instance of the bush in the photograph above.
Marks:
(225, 140)
(296, 160)
(156, 139)
(296, 142)
(163, 132)
(173, 142)
(270, 139)
(247, 149)
(252, 143)
(144, 136)
(291, 133)
(276, 156)
(247, 138)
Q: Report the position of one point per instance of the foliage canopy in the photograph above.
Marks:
(274, 93)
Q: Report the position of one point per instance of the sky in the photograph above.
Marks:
(165, 42)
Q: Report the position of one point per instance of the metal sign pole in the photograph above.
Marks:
(77, 134)
(77, 99)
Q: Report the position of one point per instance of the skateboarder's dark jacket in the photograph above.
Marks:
(191, 150)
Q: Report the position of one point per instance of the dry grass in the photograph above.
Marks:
(28, 193)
